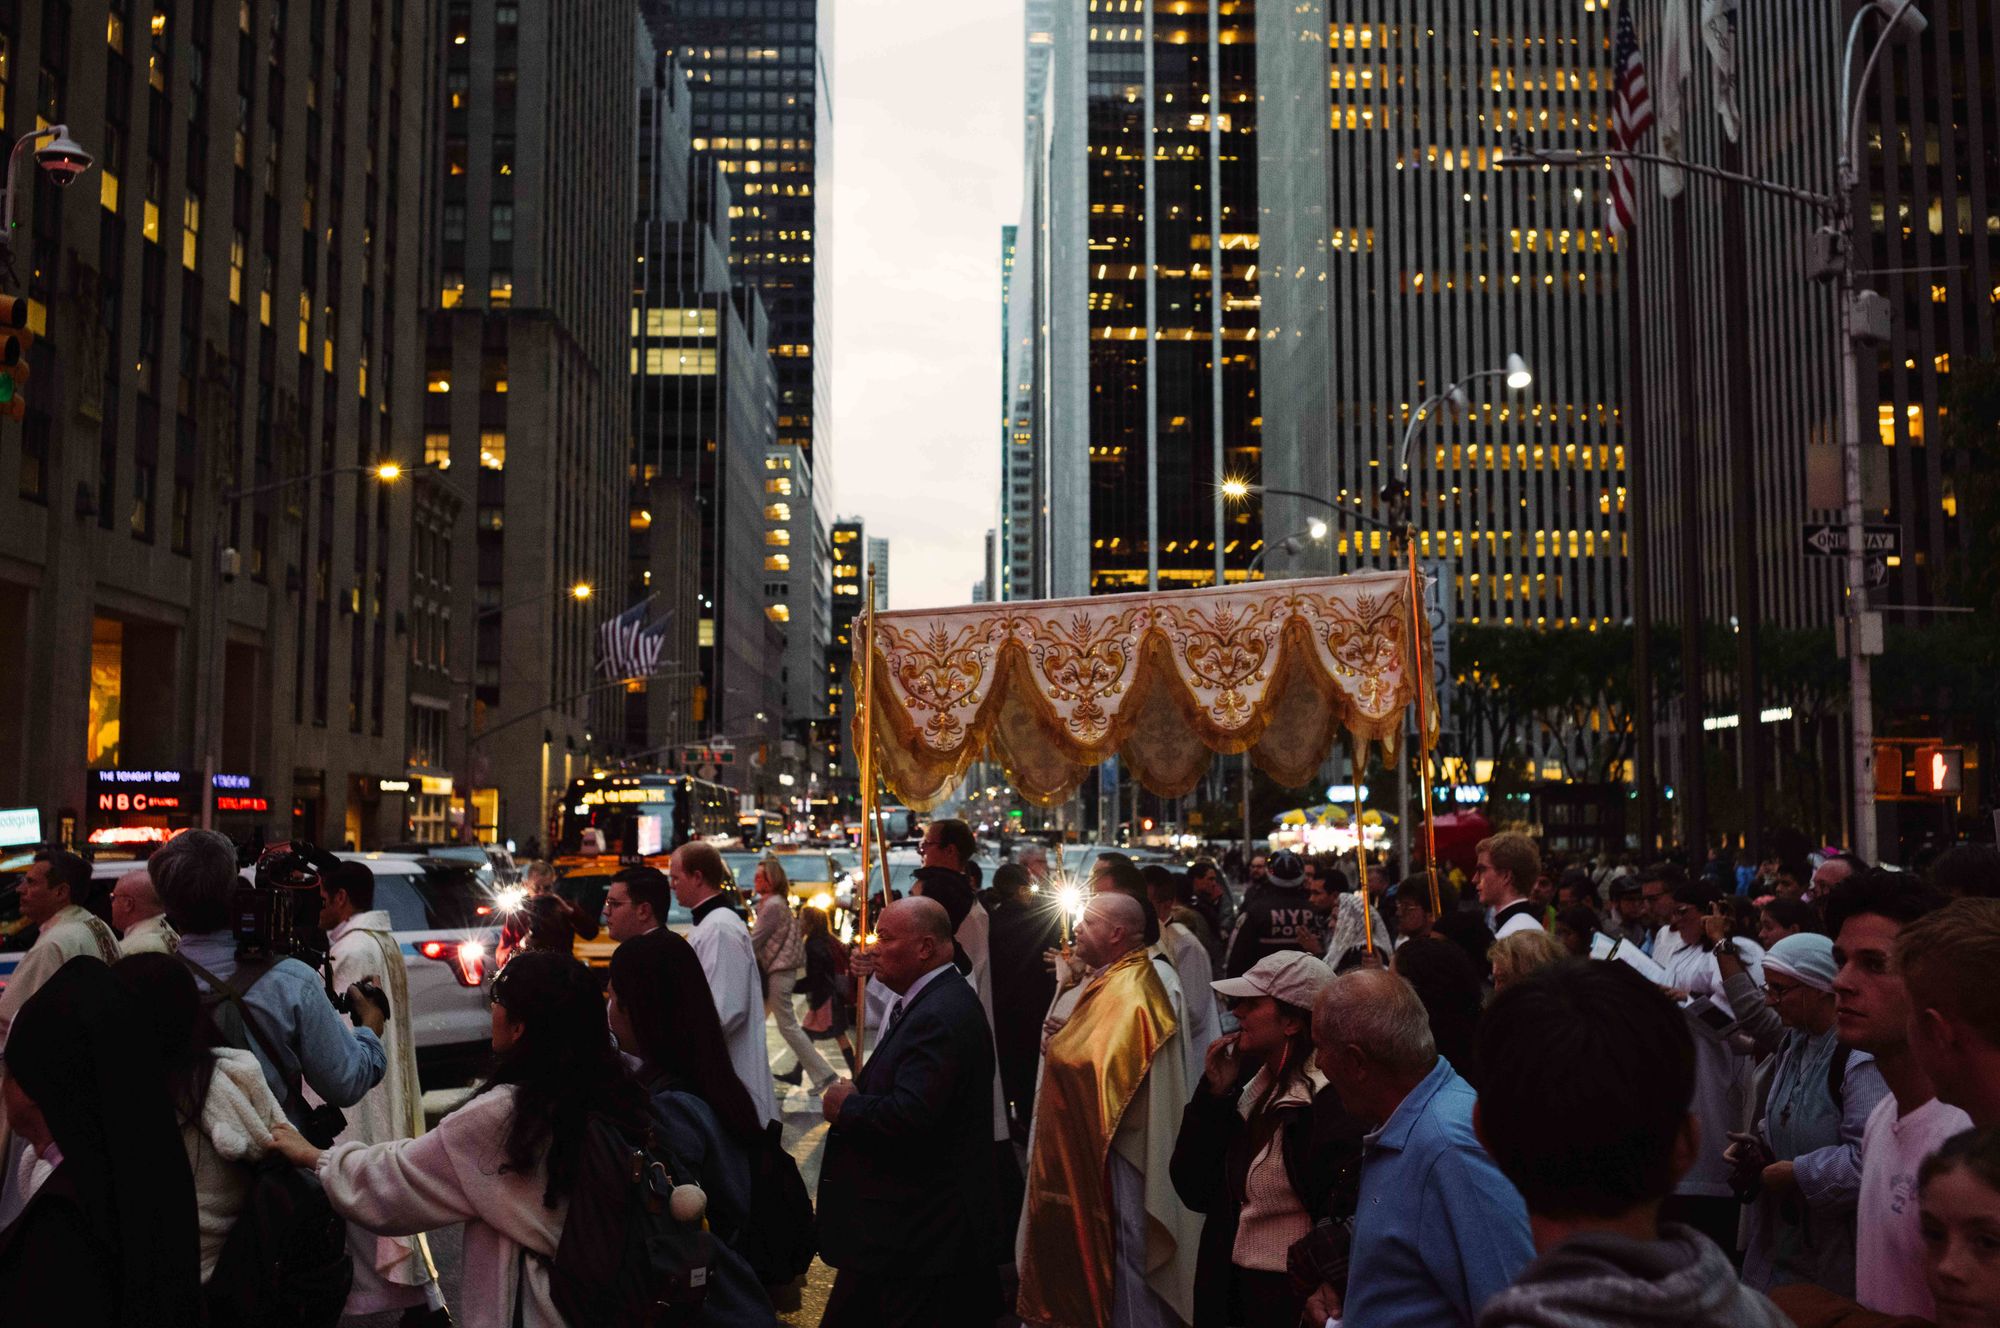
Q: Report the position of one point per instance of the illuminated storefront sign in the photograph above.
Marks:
(123, 792)
(393, 785)
(20, 825)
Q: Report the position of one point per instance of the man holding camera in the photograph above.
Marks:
(288, 1024)
(390, 1272)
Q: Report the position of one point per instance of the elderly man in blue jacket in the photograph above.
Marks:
(1438, 1230)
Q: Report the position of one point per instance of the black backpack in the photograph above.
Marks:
(781, 1237)
(285, 1262)
(624, 1260)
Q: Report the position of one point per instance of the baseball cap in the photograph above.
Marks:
(1285, 868)
(1292, 976)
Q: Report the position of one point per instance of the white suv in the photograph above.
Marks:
(445, 918)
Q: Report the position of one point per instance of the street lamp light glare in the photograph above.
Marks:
(388, 471)
(1235, 489)
(1316, 528)
(582, 590)
(1518, 374)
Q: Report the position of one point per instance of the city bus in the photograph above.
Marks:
(640, 816)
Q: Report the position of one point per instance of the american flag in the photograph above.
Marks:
(628, 646)
(1631, 116)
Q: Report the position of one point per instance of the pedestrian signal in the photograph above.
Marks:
(1940, 771)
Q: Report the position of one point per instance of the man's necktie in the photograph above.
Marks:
(895, 1014)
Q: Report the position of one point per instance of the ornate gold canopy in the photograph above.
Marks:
(1052, 688)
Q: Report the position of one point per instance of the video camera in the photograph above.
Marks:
(277, 916)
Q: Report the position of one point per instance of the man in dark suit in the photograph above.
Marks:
(907, 1204)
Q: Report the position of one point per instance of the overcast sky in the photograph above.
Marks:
(926, 170)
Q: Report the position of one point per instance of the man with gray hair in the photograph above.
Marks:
(279, 1005)
(1438, 1229)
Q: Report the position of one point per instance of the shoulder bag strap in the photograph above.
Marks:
(294, 1099)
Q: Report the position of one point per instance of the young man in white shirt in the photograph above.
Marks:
(1507, 866)
(721, 940)
(1866, 913)
(1948, 960)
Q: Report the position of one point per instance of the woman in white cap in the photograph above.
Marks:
(1265, 1148)
(1802, 1164)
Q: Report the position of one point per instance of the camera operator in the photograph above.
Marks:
(296, 1034)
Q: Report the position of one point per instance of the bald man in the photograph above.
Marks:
(1104, 1238)
(139, 916)
(908, 1207)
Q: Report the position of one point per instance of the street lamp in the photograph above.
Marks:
(1864, 320)
(1518, 378)
(1316, 531)
(61, 158)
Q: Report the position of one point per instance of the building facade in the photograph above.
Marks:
(524, 375)
(1398, 257)
(207, 582)
(1138, 327)
(704, 421)
(762, 109)
(1736, 396)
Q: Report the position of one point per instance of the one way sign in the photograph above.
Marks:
(1828, 540)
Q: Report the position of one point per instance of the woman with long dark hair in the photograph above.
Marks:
(504, 1163)
(109, 1237)
(222, 1103)
(663, 1016)
(1265, 1149)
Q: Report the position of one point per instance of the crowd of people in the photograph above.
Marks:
(1533, 1094)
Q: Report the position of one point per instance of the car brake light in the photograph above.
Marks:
(471, 964)
(466, 958)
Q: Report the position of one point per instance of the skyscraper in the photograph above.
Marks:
(1140, 334)
(525, 370)
(704, 421)
(1399, 257)
(1742, 437)
(195, 562)
(762, 109)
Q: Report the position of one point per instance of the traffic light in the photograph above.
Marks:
(14, 342)
(1941, 771)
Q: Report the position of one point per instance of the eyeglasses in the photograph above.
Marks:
(1777, 991)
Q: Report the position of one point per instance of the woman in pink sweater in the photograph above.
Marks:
(504, 1163)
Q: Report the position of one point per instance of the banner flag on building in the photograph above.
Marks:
(1718, 33)
(628, 646)
(1631, 116)
(1673, 71)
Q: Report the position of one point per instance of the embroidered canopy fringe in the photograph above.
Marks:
(1052, 688)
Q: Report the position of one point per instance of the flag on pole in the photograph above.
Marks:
(1631, 115)
(628, 646)
(1718, 33)
(1672, 91)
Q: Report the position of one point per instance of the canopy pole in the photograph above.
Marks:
(868, 815)
(1420, 657)
(1358, 756)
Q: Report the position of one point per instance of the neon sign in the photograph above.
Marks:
(132, 834)
(225, 803)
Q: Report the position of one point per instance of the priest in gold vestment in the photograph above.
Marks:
(1104, 1240)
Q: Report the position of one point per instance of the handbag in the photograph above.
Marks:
(819, 1019)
